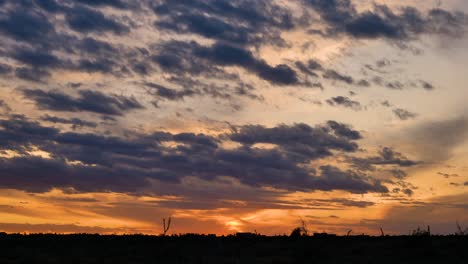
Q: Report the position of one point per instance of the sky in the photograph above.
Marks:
(233, 116)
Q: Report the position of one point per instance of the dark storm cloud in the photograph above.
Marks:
(125, 164)
(241, 21)
(91, 101)
(182, 57)
(403, 114)
(345, 102)
(341, 16)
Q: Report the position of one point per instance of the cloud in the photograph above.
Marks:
(347, 180)
(85, 20)
(49, 5)
(31, 74)
(306, 69)
(5, 69)
(93, 46)
(301, 139)
(170, 94)
(345, 102)
(342, 17)
(340, 202)
(75, 122)
(88, 100)
(343, 130)
(91, 162)
(335, 76)
(181, 57)
(387, 156)
(435, 140)
(202, 40)
(241, 21)
(96, 65)
(37, 58)
(396, 85)
(440, 213)
(403, 114)
(113, 3)
(386, 103)
(26, 25)
(4, 107)
(426, 85)
(61, 229)
(222, 54)
(447, 175)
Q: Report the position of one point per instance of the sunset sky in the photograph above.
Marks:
(233, 115)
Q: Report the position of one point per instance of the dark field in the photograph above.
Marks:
(231, 249)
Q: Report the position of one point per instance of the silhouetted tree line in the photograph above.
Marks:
(231, 249)
(300, 246)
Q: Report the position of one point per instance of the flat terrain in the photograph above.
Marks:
(85, 249)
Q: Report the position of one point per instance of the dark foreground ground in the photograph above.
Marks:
(218, 250)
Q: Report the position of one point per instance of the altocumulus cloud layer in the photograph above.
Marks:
(91, 162)
(90, 89)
